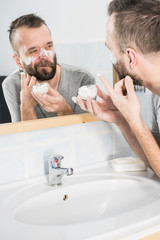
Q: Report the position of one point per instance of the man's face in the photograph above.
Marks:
(36, 52)
(44, 69)
(117, 56)
(123, 72)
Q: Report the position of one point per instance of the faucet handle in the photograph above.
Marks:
(55, 161)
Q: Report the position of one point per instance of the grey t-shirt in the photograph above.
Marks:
(156, 116)
(71, 79)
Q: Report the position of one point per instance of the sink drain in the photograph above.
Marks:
(65, 197)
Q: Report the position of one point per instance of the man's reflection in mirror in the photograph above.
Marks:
(35, 57)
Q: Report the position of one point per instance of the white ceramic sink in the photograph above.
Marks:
(84, 206)
(97, 198)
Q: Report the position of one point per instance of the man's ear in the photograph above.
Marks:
(17, 60)
(132, 57)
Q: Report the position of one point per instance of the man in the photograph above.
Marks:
(133, 37)
(35, 57)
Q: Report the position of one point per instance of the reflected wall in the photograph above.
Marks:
(78, 36)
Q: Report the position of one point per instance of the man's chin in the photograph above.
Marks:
(44, 74)
(45, 77)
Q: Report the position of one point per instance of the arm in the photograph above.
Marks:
(132, 140)
(28, 103)
(106, 110)
(129, 107)
(148, 144)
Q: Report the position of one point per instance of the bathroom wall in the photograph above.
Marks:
(25, 155)
(71, 22)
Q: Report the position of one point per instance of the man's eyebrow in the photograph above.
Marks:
(31, 48)
(49, 43)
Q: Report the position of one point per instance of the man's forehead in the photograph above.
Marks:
(31, 37)
(110, 30)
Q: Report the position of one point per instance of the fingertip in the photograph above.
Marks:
(99, 74)
(22, 75)
(128, 79)
(33, 78)
(74, 99)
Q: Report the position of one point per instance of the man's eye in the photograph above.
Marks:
(49, 46)
(33, 51)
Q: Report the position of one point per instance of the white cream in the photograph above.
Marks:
(113, 59)
(42, 53)
(28, 60)
(74, 99)
(87, 91)
(40, 88)
(46, 53)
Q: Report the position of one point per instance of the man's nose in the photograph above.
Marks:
(43, 53)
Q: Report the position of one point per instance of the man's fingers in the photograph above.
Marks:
(89, 105)
(129, 86)
(23, 80)
(96, 109)
(27, 80)
(81, 103)
(106, 84)
(101, 94)
(32, 81)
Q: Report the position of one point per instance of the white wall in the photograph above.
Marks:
(25, 155)
(71, 21)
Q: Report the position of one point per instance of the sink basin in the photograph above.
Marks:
(85, 205)
(94, 198)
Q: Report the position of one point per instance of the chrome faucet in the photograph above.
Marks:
(55, 171)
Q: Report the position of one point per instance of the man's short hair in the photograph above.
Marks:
(137, 23)
(28, 20)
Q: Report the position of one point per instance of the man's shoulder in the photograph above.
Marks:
(155, 101)
(12, 79)
(75, 70)
(155, 97)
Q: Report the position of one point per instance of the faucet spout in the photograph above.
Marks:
(68, 171)
(56, 172)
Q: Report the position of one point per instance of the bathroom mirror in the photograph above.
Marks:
(50, 122)
(76, 43)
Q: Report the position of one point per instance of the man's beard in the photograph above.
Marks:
(42, 74)
(122, 73)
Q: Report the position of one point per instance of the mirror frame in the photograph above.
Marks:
(38, 124)
(31, 125)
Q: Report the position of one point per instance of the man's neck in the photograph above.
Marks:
(150, 73)
(153, 80)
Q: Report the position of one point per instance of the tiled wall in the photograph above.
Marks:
(25, 155)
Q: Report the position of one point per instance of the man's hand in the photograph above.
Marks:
(104, 110)
(28, 102)
(128, 104)
(53, 102)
